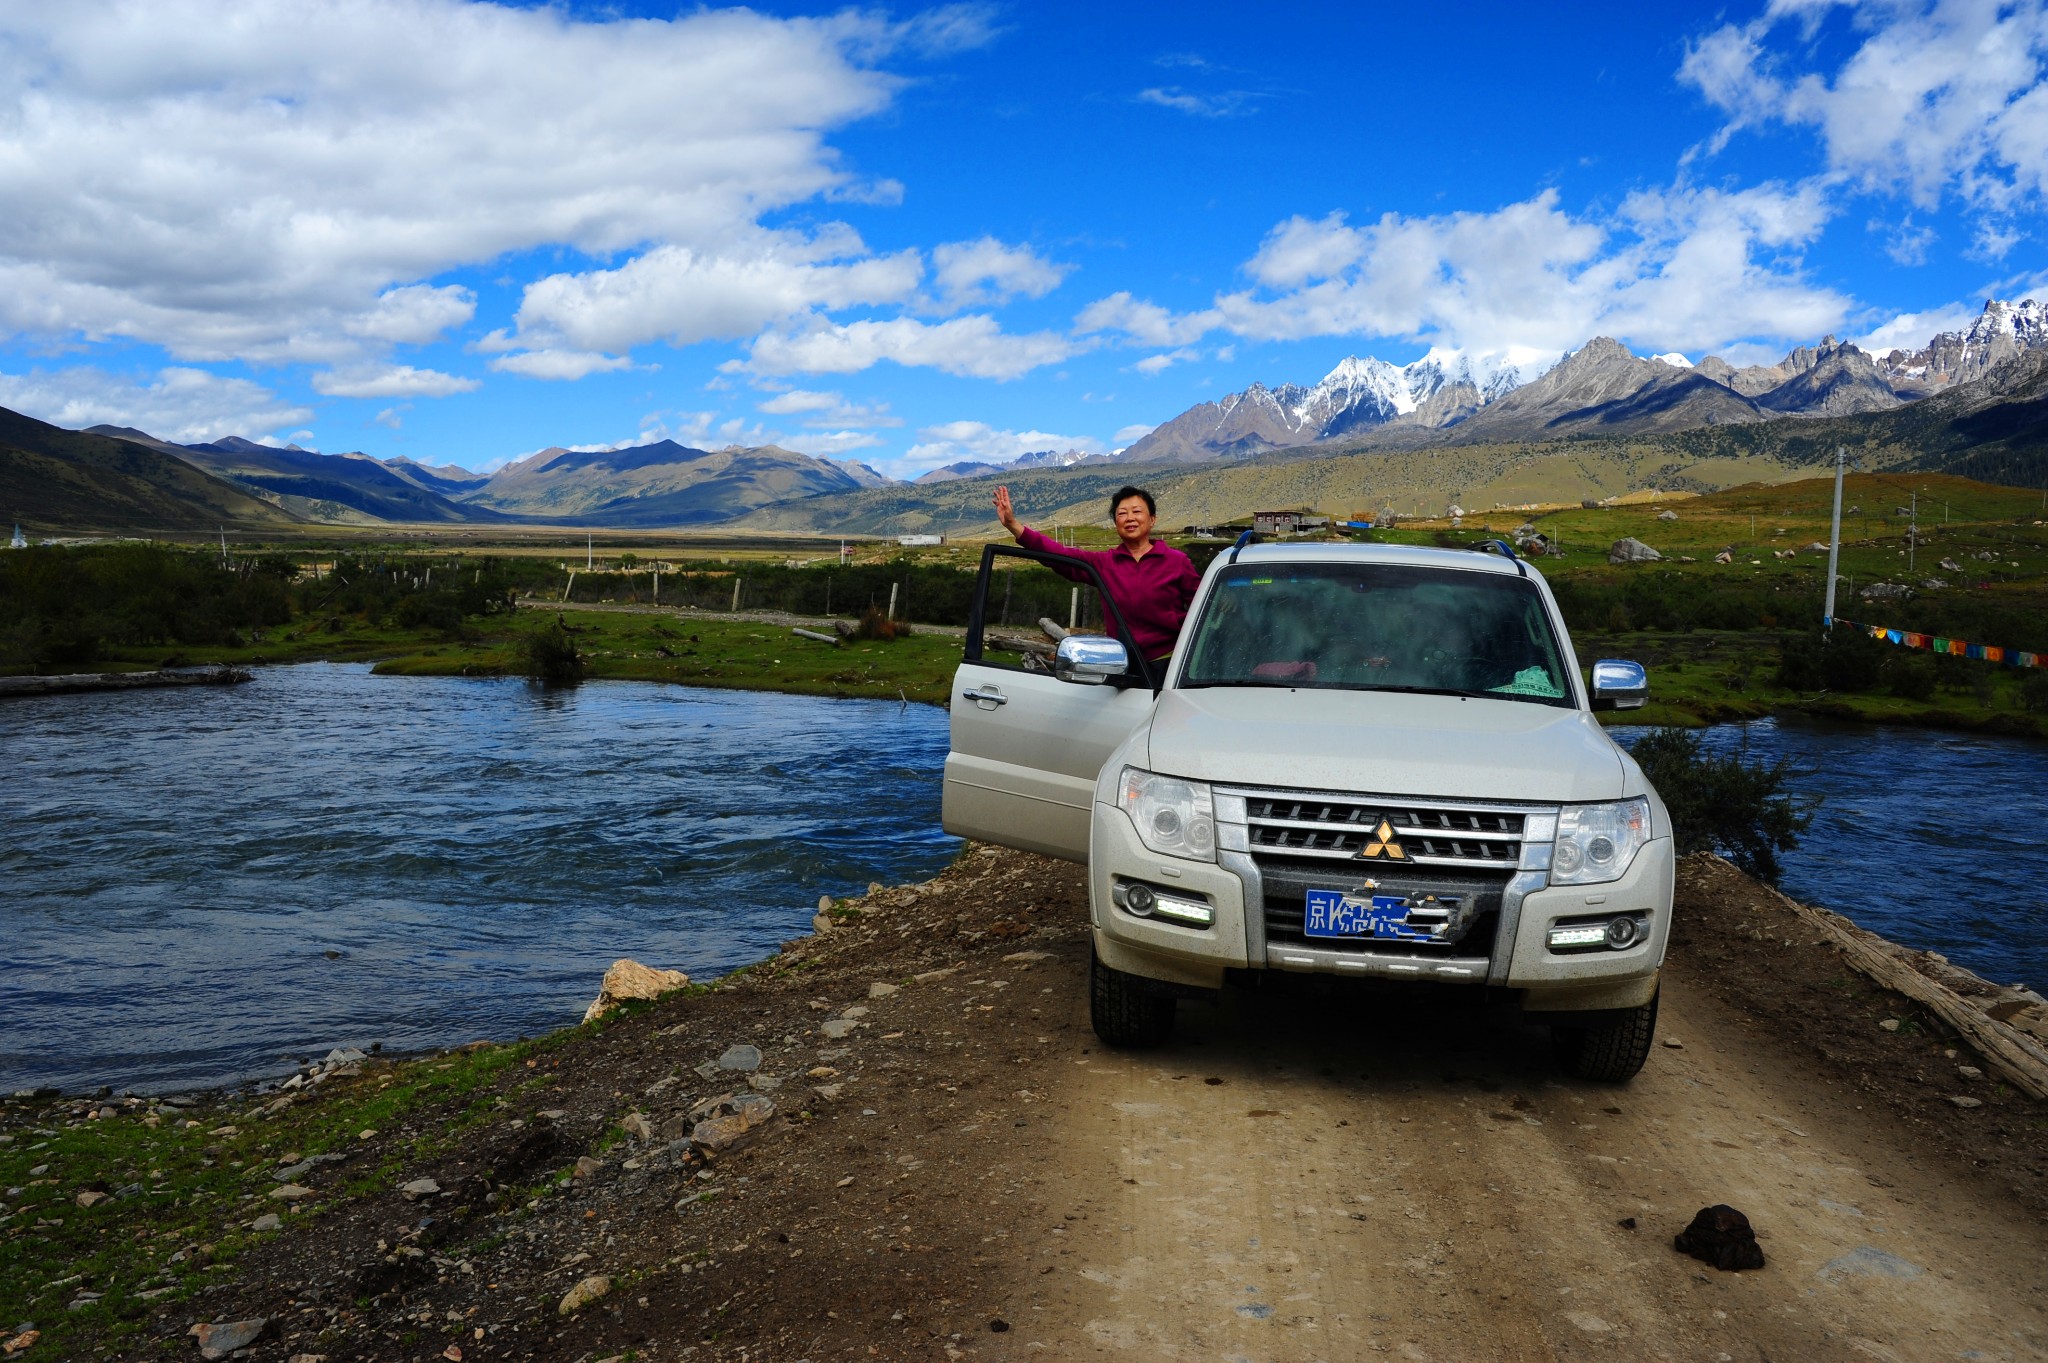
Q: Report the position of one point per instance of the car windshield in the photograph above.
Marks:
(1377, 627)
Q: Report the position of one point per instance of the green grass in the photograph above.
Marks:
(203, 1177)
(702, 650)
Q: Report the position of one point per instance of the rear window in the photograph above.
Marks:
(1377, 627)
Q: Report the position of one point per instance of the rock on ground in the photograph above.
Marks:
(628, 979)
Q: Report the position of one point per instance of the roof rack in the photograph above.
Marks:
(1505, 550)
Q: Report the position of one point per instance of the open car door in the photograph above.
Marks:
(1027, 746)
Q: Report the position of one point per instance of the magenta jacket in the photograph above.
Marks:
(1152, 593)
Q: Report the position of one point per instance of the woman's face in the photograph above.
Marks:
(1133, 519)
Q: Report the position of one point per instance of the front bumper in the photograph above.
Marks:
(1519, 958)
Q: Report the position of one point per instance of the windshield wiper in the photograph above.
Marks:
(1247, 681)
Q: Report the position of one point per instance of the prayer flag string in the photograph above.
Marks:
(1939, 643)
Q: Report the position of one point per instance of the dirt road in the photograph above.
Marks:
(956, 1168)
(1291, 1181)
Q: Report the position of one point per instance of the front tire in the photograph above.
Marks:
(1127, 1013)
(1612, 1053)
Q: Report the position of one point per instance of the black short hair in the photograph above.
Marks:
(1125, 493)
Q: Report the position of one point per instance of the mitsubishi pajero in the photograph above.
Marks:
(1362, 760)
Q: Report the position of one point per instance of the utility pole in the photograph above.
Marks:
(1827, 618)
(589, 553)
(1912, 531)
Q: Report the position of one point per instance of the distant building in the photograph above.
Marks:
(1276, 522)
(919, 541)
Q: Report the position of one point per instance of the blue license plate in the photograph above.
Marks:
(1349, 913)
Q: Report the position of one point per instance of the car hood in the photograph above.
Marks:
(1447, 747)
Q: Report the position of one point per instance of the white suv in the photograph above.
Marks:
(1362, 760)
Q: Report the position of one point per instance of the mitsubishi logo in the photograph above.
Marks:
(1382, 844)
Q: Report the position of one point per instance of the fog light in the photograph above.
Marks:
(1140, 900)
(1622, 932)
(1577, 935)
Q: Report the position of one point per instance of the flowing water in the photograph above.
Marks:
(207, 884)
(1934, 839)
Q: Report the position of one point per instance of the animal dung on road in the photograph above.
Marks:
(1721, 1236)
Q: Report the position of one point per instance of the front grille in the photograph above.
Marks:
(1347, 827)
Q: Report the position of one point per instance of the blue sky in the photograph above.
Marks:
(461, 233)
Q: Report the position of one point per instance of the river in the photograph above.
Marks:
(1933, 838)
(206, 885)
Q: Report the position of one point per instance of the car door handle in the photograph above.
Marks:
(987, 694)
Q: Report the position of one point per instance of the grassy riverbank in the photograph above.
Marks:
(694, 648)
(1727, 620)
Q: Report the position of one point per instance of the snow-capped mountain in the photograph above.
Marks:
(1358, 395)
(2000, 332)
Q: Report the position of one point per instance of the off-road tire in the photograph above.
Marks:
(1126, 1011)
(1611, 1054)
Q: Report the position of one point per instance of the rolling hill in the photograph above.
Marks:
(52, 479)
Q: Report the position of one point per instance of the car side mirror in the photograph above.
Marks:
(1619, 685)
(1089, 659)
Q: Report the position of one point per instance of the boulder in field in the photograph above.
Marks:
(1632, 550)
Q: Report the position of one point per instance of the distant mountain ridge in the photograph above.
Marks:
(1601, 388)
(1987, 377)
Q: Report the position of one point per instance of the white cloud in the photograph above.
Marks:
(1677, 269)
(954, 441)
(1912, 330)
(1935, 97)
(1300, 250)
(393, 417)
(188, 406)
(1222, 104)
(1155, 364)
(683, 296)
(414, 314)
(1131, 434)
(267, 180)
(1144, 323)
(559, 364)
(820, 410)
(986, 271)
(974, 346)
(391, 381)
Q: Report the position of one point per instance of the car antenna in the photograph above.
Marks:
(1248, 537)
(1503, 548)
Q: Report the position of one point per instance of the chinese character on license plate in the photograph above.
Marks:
(1341, 913)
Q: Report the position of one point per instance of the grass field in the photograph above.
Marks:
(1711, 631)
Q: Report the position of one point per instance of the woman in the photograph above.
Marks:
(1150, 583)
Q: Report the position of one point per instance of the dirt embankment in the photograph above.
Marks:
(956, 1168)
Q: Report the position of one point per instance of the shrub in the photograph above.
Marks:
(424, 611)
(2034, 691)
(875, 625)
(1912, 676)
(549, 655)
(1724, 804)
(1846, 660)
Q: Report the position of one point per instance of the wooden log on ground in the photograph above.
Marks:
(120, 681)
(831, 639)
(2017, 1057)
(845, 629)
(1053, 628)
(1018, 643)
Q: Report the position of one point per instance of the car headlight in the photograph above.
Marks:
(1596, 843)
(1175, 818)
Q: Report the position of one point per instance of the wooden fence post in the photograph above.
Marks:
(737, 583)
(892, 601)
